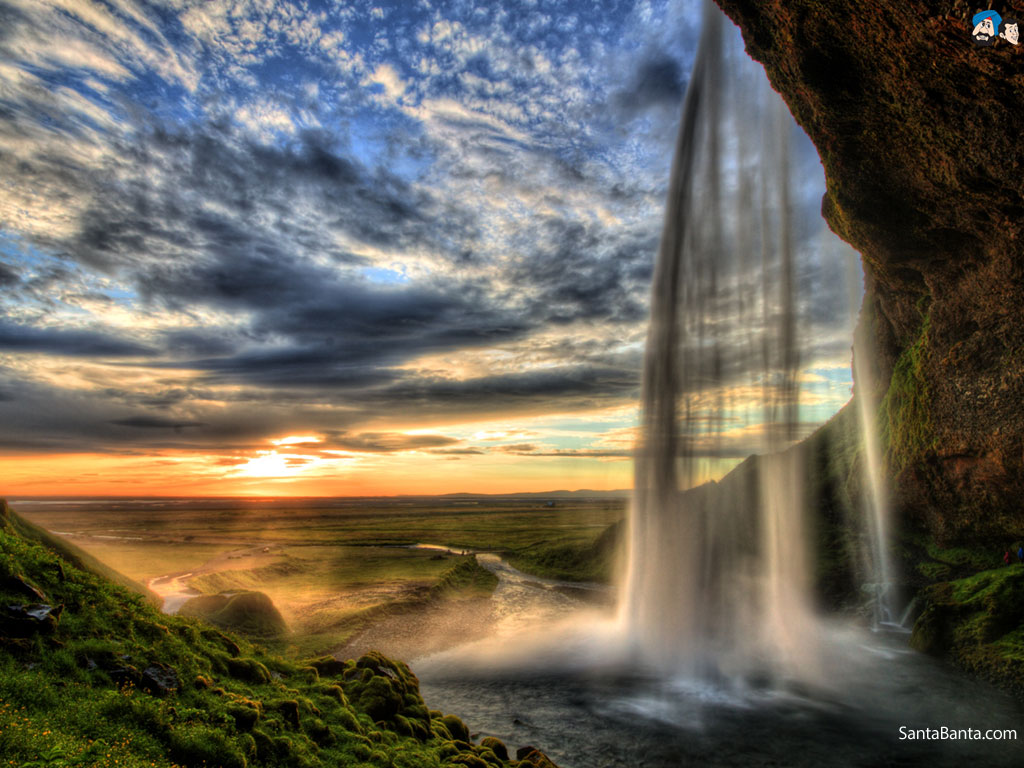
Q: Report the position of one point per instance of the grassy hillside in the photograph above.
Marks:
(91, 674)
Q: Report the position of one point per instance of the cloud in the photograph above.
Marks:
(73, 343)
(656, 82)
(385, 442)
(152, 422)
(247, 219)
(457, 451)
(8, 276)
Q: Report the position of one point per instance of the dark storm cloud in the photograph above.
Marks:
(154, 422)
(22, 338)
(209, 191)
(8, 276)
(580, 274)
(198, 343)
(290, 368)
(569, 386)
(10, 19)
(204, 217)
(656, 82)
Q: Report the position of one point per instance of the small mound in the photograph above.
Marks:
(252, 613)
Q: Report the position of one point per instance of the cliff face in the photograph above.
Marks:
(919, 132)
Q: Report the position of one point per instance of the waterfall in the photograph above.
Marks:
(717, 580)
(876, 496)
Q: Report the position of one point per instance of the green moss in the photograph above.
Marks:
(905, 417)
(496, 746)
(977, 622)
(467, 578)
(456, 727)
(572, 559)
(203, 745)
(249, 670)
(934, 571)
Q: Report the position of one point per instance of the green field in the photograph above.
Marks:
(332, 567)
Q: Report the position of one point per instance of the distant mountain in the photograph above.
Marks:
(583, 493)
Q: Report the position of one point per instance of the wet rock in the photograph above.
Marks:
(937, 220)
(125, 676)
(496, 746)
(328, 666)
(533, 757)
(21, 586)
(29, 620)
(159, 680)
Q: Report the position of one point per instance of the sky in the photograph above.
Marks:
(346, 248)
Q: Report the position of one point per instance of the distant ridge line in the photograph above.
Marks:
(582, 493)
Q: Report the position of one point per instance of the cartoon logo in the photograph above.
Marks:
(985, 25)
(1010, 31)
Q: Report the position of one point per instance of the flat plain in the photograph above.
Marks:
(332, 567)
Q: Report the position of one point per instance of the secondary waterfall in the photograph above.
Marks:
(717, 580)
(876, 498)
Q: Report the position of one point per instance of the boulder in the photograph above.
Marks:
(29, 620)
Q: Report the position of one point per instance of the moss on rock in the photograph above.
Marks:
(978, 623)
(252, 613)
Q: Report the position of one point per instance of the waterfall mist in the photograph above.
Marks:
(717, 580)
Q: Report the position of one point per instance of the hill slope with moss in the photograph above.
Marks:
(91, 674)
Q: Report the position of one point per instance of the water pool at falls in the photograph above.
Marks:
(609, 720)
(555, 674)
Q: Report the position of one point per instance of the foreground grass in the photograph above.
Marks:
(114, 682)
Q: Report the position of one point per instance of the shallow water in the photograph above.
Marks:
(554, 676)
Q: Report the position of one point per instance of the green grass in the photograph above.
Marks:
(77, 696)
(179, 539)
(574, 559)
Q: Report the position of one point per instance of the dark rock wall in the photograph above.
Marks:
(920, 133)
